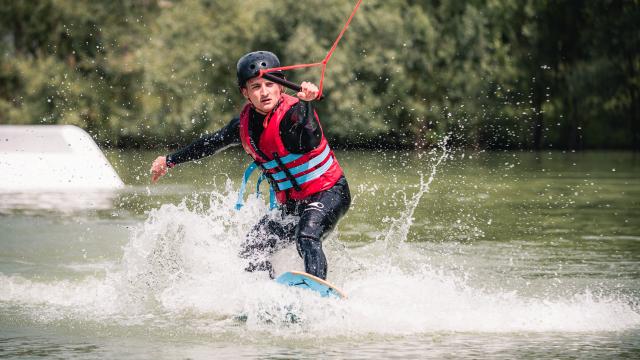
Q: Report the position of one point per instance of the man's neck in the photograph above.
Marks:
(258, 114)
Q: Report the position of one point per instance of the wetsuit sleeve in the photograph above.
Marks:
(300, 129)
(208, 144)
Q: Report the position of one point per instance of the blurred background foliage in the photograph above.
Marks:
(526, 74)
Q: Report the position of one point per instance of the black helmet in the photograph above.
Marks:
(250, 64)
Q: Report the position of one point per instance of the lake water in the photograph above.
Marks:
(462, 254)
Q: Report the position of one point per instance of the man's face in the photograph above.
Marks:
(263, 94)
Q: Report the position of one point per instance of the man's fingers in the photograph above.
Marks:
(158, 168)
(308, 91)
(157, 174)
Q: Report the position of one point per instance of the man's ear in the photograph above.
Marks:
(244, 92)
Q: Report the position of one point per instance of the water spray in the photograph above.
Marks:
(400, 227)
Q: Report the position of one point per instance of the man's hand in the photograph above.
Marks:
(158, 168)
(308, 91)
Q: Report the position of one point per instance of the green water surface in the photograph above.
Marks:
(501, 219)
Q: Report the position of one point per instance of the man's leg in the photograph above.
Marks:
(319, 216)
(263, 240)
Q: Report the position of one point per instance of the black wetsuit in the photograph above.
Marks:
(316, 215)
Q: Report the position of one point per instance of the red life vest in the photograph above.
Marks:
(292, 176)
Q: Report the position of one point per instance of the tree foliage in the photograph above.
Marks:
(493, 73)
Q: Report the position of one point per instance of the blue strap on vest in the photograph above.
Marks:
(260, 179)
(307, 177)
(303, 167)
(285, 160)
(247, 174)
(313, 162)
(272, 194)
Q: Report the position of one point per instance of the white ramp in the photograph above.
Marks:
(49, 158)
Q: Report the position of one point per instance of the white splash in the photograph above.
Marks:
(181, 269)
(400, 227)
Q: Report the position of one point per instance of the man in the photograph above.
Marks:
(283, 135)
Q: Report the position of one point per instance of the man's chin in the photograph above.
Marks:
(266, 108)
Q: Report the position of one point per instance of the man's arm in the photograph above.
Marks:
(205, 146)
(300, 129)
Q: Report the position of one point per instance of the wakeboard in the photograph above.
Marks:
(303, 280)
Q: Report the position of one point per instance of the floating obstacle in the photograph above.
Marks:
(52, 158)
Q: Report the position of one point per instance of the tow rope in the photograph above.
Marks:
(322, 63)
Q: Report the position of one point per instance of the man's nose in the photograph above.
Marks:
(263, 90)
